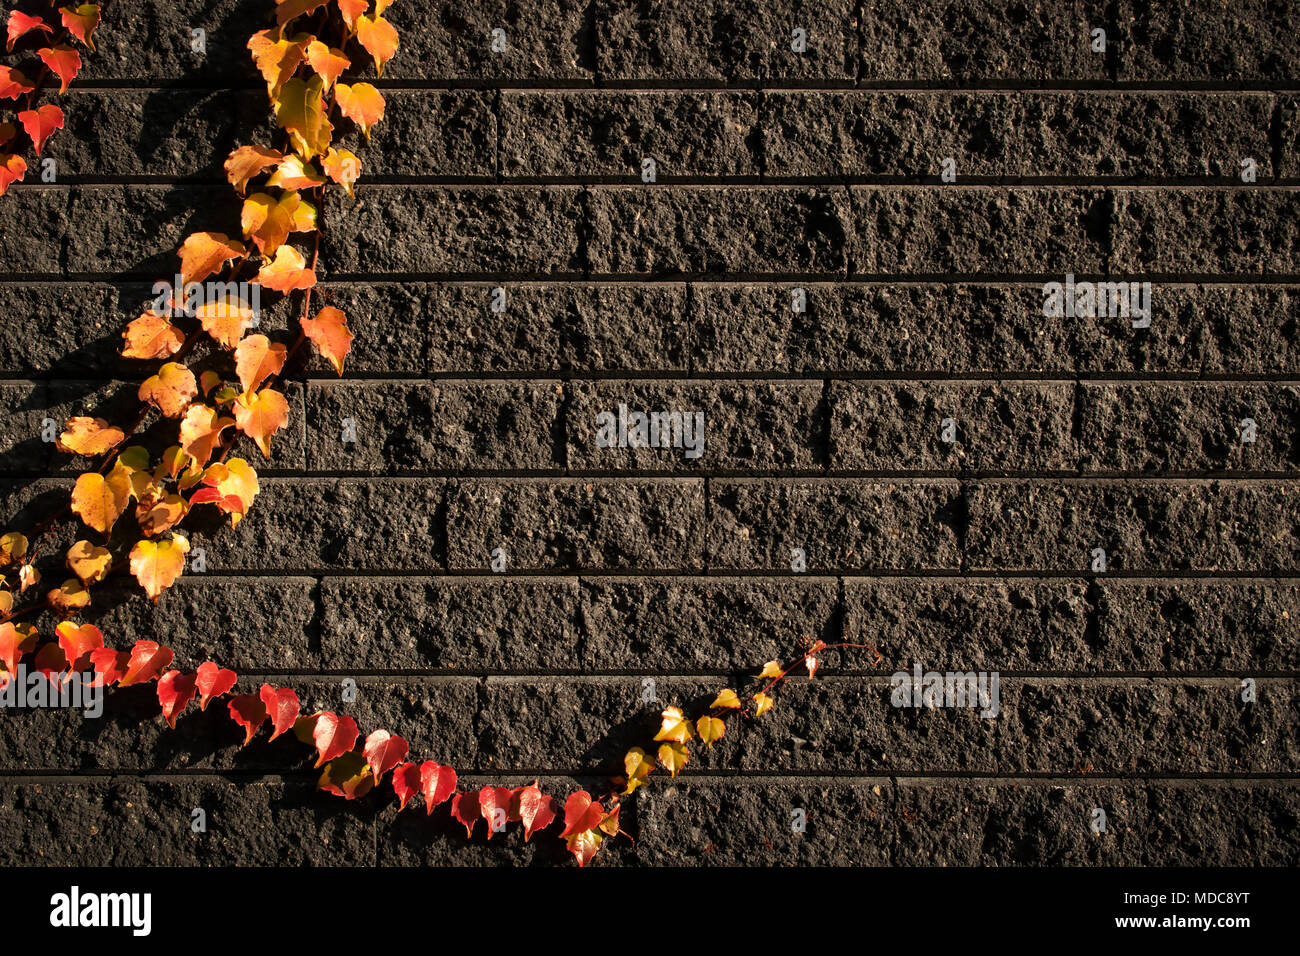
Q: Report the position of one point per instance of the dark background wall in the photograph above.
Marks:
(476, 430)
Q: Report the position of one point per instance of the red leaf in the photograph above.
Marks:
(248, 711)
(436, 783)
(12, 642)
(148, 660)
(334, 735)
(383, 752)
(109, 666)
(51, 661)
(78, 642)
(465, 808)
(20, 24)
(175, 690)
(283, 707)
(406, 783)
(13, 83)
(490, 800)
(581, 814)
(63, 61)
(12, 170)
(537, 810)
(40, 123)
(212, 681)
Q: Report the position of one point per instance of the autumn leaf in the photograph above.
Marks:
(764, 703)
(406, 783)
(771, 669)
(63, 61)
(212, 681)
(351, 9)
(535, 809)
(490, 800)
(675, 727)
(638, 765)
(581, 813)
(175, 691)
(294, 173)
(13, 546)
(248, 161)
(99, 500)
(465, 808)
(148, 659)
(68, 597)
(347, 776)
(40, 123)
(342, 166)
(13, 83)
(300, 111)
(28, 577)
(286, 10)
(673, 757)
(260, 415)
(436, 783)
(81, 22)
(725, 698)
(91, 437)
(258, 358)
(328, 62)
(330, 334)
(811, 664)
(333, 735)
(12, 170)
(288, 272)
(384, 751)
(170, 390)
(160, 510)
(379, 39)
(50, 662)
(710, 729)
(248, 711)
(15, 641)
(361, 103)
(78, 641)
(201, 430)
(89, 562)
(281, 706)
(203, 253)
(584, 845)
(151, 336)
(233, 487)
(20, 24)
(109, 666)
(225, 318)
(276, 58)
(157, 564)
(268, 221)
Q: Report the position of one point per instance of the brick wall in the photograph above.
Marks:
(776, 172)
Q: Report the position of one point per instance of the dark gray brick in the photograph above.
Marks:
(609, 133)
(899, 425)
(37, 221)
(1166, 426)
(598, 524)
(839, 523)
(649, 229)
(137, 229)
(405, 426)
(718, 41)
(152, 41)
(1015, 134)
(748, 426)
(22, 413)
(77, 323)
(1143, 525)
(1185, 40)
(924, 230)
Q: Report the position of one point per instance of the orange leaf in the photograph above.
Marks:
(88, 436)
(201, 430)
(12, 170)
(675, 727)
(160, 511)
(343, 167)
(152, 336)
(81, 22)
(330, 334)
(171, 390)
(204, 253)
(276, 58)
(581, 813)
(288, 272)
(40, 123)
(293, 173)
(256, 359)
(379, 38)
(20, 24)
(268, 221)
(248, 161)
(584, 845)
(70, 596)
(260, 415)
(99, 501)
(225, 318)
(78, 642)
(15, 641)
(351, 9)
(361, 103)
(157, 564)
(63, 61)
(233, 487)
(328, 62)
(13, 83)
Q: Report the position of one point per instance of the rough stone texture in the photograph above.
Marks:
(800, 274)
(1015, 134)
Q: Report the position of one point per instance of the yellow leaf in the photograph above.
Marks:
(675, 727)
(88, 436)
(28, 577)
(13, 546)
(342, 166)
(70, 596)
(287, 272)
(225, 318)
(268, 221)
(772, 669)
(201, 430)
(248, 161)
(170, 390)
(673, 757)
(99, 500)
(157, 564)
(151, 336)
(293, 173)
(256, 359)
(276, 58)
(89, 562)
(260, 415)
(764, 704)
(638, 766)
(160, 512)
(300, 111)
(725, 698)
(203, 254)
(710, 729)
